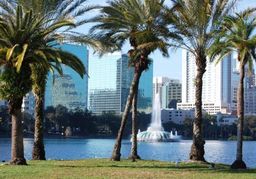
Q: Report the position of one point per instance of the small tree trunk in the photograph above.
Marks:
(117, 147)
(17, 152)
(38, 148)
(197, 148)
(134, 153)
(239, 163)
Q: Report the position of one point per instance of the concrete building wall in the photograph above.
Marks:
(176, 116)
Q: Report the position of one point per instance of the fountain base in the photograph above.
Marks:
(157, 136)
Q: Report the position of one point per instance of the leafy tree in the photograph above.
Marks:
(62, 116)
(250, 126)
(195, 21)
(210, 126)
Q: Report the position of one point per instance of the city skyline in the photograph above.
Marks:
(170, 67)
(219, 84)
(109, 84)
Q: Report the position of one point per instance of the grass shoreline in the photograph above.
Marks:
(104, 168)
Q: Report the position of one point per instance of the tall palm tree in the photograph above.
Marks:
(237, 35)
(55, 9)
(27, 39)
(140, 22)
(134, 147)
(134, 152)
(195, 21)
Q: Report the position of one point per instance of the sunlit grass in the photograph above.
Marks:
(104, 168)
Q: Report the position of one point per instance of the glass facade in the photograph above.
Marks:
(109, 84)
(146, 91)
(69, 90)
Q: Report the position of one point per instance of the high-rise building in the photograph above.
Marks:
(28, 104)
(158, 83)
(109, 84)
(105, 83)
(66, 94)
(250, 101)
(169, 91)
(219, 84)
(69, 90)
(145, 91)
(250, 93)
(171, 94)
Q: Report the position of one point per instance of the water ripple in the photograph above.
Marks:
(68, 149)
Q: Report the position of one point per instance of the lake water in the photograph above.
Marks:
(71, 149)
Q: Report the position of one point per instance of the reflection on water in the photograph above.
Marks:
(67, 149)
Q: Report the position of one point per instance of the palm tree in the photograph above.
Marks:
(65, 10)
(237, 35)
(195, 21)
(27, 39)
(134, 152)
(140, 22)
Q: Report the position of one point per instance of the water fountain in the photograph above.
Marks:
(155, 131)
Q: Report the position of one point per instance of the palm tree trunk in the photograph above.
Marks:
(117, 147)
(17, 151)
(197, 148)
(38, 148)
(239, 163)
(134, 153)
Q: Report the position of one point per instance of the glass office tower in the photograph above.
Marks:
(109, 83)
(69, 90)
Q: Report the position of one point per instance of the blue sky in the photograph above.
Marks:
(170, 67)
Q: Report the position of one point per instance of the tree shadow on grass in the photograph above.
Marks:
(183, 167)
(236, 171)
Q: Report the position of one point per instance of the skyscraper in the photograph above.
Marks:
(250, 93)
(168, 89)
(219, 84)
(28, 103)
(145, 90)
(250, 101)
(171, 94)
(109, 83)
(69, 90)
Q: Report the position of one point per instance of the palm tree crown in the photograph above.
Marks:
(196, 20)
(140, 22)
(236, 35)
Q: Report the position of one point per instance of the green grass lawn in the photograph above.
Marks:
(103, 168)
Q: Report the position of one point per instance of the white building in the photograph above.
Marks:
(219, 84)
(176, 116)
(171, 91)
(168, 89)
(158, 82)
(28, 103)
